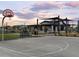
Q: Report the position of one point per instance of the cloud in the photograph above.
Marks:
(30, 15)
(73, 12)
(1, 11)
(25, 13)
(72, 4)
(18, 21)
(26, 16)
(25, 10)
(46, 15)
(44, 6)
(45, 9)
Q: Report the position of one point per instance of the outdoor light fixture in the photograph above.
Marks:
(6, 13)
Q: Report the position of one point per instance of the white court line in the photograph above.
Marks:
(67, 45)
(17, 52)
(39, 48)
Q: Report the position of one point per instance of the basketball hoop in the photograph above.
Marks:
(6, 13)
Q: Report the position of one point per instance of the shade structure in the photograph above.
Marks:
(56, 23)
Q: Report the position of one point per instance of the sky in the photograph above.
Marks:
(26, 12)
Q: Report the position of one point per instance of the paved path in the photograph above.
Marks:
(48, 46)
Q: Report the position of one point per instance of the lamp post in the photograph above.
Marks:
(37, 27)
(6, 13)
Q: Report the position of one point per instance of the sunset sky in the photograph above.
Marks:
(26, 12)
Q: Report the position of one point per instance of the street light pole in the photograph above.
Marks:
(3, 28)
(37, 26)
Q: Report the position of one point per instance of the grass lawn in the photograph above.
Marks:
(10, 36)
